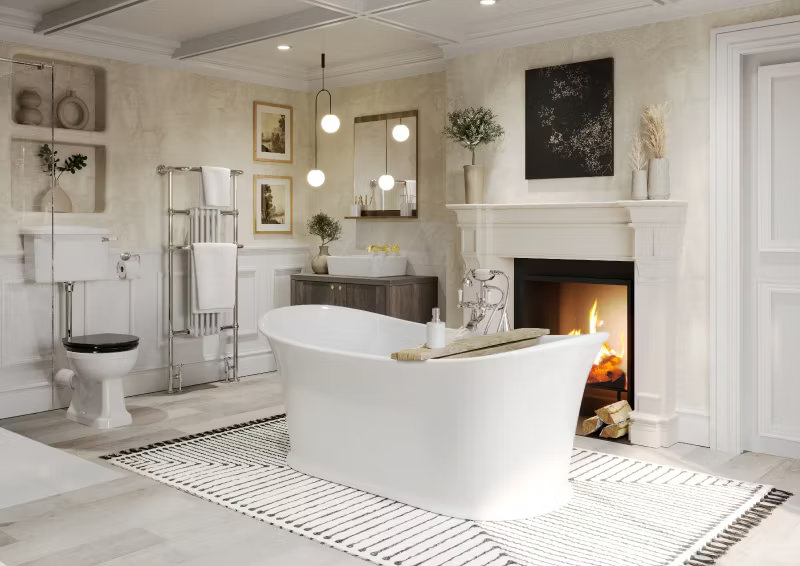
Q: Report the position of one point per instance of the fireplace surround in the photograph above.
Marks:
(648, 234)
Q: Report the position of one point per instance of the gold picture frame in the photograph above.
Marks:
(273, 132)
(273, 204)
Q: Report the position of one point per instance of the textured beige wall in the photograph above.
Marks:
(654, 63)
(430, 241)
(158, 116)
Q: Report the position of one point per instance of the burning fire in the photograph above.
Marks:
(606, 364)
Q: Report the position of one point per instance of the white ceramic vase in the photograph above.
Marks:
(319, 263)
(639, 184)
(473, 183)
(55, 199)
(658, 179)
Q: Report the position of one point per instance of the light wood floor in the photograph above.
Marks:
(136, 521)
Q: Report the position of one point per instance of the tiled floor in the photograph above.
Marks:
(135, 521)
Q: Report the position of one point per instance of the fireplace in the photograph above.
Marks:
(580, 297)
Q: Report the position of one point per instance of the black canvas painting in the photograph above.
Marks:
(569, 120)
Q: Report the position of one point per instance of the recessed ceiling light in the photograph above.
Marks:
(284, 47)
(487, 2)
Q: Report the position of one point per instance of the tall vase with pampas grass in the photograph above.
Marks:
(654, 122)
(638, 161)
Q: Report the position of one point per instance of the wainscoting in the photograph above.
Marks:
(136, 306)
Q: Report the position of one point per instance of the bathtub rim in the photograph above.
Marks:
(328, 350)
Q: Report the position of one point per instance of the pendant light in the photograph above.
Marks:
(330, 122)
(401, 132)
(386, 181)
(315, 177)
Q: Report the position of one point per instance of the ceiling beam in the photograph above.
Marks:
(312, 18)
(80, 12)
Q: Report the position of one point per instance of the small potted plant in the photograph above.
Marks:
(471, 128)
(328, 230)
(50, 164)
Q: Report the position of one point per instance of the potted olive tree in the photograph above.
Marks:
(328, 230)
(471, 128)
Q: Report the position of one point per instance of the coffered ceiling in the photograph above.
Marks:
(364, 39)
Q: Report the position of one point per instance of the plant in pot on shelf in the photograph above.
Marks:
(55, 197)
(654, 122)
(328, 230)
(471, 128)
(638, 161)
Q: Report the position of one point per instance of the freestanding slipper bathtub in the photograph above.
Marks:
(484, 438)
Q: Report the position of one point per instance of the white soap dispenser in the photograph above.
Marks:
(436, 332)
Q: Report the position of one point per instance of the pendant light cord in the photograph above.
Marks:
(316, 105)
(387, 147)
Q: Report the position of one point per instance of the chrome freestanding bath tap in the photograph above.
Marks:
(483, 304)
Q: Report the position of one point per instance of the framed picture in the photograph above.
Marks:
(273, 132)
(569, 120)
(272, 204)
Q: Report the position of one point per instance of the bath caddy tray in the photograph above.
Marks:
(474, 347)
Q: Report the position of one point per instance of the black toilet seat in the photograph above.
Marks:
(101, 343)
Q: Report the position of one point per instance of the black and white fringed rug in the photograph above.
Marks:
(624, 512)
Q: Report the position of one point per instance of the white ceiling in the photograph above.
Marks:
(364, 39)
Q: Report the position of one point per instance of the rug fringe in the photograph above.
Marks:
(130, 451)
(740, 528)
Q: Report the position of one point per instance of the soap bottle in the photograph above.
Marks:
(436, 332)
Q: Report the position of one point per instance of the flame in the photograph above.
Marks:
(607, 362)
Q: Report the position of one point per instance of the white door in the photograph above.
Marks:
(771, 285)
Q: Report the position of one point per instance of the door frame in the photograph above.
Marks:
(729, 47)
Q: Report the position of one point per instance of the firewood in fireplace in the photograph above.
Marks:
(614, 413)
(615, 430)
(591, 425)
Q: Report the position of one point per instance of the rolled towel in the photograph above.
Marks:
(216, 186)
(214, 273)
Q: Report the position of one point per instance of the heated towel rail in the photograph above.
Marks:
(231, 362)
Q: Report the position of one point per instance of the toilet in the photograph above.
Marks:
(100, 361)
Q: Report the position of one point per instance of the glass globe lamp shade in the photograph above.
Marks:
(386, 182)
(315, 178)
(330, 123)
(401, 132)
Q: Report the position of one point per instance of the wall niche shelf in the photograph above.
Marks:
(80, 96)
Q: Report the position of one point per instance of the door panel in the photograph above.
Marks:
(370, 298)
(771, 284)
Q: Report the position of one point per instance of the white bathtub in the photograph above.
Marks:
(485, 438)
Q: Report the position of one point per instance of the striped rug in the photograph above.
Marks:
(624, 512)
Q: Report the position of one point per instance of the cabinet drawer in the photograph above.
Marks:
(319, 293)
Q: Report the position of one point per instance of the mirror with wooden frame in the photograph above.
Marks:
(386, 180)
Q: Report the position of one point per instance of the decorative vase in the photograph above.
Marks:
(639, 184)
(473, 183)
(29, 101)
(319, 263)
(658, 179)
(58, 202)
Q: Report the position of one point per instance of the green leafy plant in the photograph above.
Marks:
(472, 127)
(50, 162)
(322, 225)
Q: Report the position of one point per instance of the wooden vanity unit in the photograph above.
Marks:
(410, 297)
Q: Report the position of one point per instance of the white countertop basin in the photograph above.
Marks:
(367, 265)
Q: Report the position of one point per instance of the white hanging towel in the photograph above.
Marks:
(214, 276)
(216, 186)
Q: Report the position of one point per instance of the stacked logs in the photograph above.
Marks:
(612, 421)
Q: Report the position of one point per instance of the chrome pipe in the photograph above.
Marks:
(170, 270)
(69, 287)
(164, 169)
(235, 361)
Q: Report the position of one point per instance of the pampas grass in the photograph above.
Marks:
(638, 157)
(654, 123)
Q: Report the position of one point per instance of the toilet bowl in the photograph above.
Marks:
(100, 361)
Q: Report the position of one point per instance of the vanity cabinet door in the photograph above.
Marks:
(370, 298)
(318, 293)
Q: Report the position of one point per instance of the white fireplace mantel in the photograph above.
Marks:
(648, 233)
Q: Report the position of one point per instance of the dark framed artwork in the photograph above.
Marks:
(569, 120)
(272, 204)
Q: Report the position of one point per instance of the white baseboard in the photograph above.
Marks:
(694, 426)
